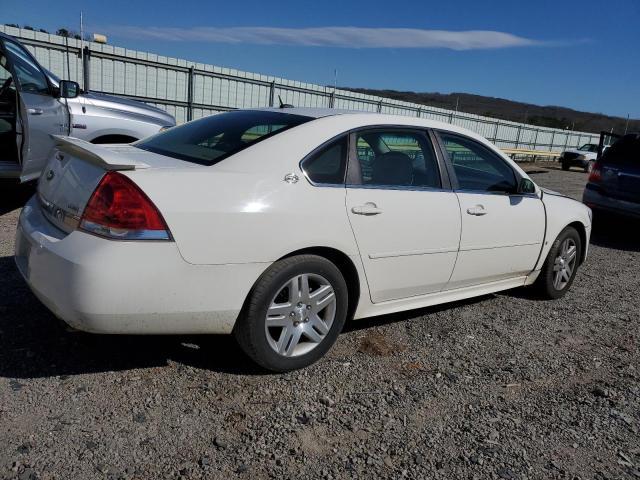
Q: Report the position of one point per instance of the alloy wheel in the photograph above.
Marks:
(564, 264)
(300, 315)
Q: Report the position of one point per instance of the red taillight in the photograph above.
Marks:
(596, 174)
(119, 209)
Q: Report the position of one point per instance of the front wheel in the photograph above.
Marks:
(560, 267)
(565, 166)
(589, 167)
(294, 313)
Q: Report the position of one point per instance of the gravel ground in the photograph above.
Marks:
(501, 387)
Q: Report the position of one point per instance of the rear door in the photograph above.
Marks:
(620, 169)
(42, 113)
(502, 231)
(404, 216)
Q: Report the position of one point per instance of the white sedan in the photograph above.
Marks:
(279, 225)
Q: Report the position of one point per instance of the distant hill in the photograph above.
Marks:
(547, 116)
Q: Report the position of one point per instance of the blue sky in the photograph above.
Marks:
(580, 54)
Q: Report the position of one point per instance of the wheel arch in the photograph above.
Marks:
(346, 267)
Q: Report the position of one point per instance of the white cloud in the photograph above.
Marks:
(342, 37)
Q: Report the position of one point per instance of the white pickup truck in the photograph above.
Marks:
(35, 104)
(583, 157)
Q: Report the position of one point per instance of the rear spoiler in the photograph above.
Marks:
(96, 154)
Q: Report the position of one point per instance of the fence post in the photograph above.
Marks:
(272, 93)
(451, 117)
(332, 99)
(86, 69)
(578, 143)
(419, 112)
(518, 136)
(190, 95)
(495, 132)
(553, 136)
(535, 140)
(566, 140)
(380, 106)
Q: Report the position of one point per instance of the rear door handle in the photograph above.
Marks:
(35, 111)
(368, 208)
(478, 211)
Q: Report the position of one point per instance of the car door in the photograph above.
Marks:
(502, 231)
(42, 114)
(405, 218)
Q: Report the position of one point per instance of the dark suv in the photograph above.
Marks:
(614, 183)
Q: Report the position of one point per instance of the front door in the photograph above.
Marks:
(406, 225)
(502, 231)
(42, 114)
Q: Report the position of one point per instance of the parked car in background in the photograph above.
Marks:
(582, 157)
(280, 224)
(614, 182)
(34, 104)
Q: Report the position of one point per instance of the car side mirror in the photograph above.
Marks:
(526, 186)
(69, 89)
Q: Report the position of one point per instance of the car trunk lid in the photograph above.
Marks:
(75, 169)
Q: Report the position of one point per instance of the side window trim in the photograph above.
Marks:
(342, 136)
(454, 179)
(354, 174)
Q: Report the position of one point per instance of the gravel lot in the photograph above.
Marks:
(501, 387)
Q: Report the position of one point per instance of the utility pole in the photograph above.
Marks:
(626, 125)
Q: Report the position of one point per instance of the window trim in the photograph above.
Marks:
(3, 48)
(354, 176)
(320, 148)
(454, 179)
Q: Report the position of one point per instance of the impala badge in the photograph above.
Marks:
(50, 175)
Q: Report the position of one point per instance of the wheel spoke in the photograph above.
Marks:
(312, 334)
(321, 298)
(571, 254)
(304, 287)
(278, 321)
(289, 338)
(319, 324)
(557, 279)
(277, 309)
(569, 271)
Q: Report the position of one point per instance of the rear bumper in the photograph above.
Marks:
(596, 200)
(104, 286)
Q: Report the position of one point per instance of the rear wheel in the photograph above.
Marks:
(560, 267)
(294, 313)
(589, 167)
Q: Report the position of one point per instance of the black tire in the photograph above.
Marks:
(250, 330)
(565, 166)
(545, 282)
(588, 167)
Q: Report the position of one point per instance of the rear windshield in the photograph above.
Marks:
(625, 151)
(212, 139)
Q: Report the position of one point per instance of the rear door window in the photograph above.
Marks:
(396, 158)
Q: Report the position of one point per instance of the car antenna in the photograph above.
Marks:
(284, 105)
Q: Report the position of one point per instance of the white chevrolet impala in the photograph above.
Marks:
(279, 225)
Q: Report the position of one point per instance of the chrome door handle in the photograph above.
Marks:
(368, 208)
(35, 111)
(478, 211)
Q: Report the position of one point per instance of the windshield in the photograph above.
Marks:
(589, 147)
(211, 139)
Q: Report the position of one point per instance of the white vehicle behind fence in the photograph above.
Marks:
(35, 104)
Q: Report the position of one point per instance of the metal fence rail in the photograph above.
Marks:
(190, 90)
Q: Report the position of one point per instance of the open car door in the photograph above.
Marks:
(41, 113)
